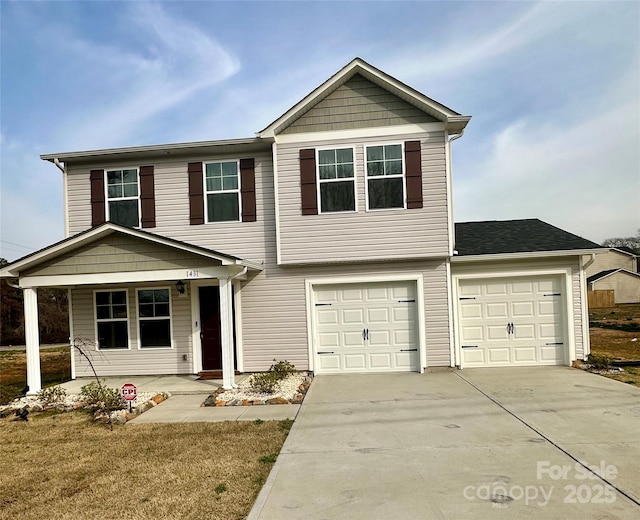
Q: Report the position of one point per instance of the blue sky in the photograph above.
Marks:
(553, 88)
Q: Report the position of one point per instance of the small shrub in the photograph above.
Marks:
(269, 459)
(285, 425)
(599, 362)
(258, 421)
(267, 382)
(52, 395)
(102, 398)
(220, 488)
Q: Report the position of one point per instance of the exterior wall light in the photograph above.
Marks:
(180, 287)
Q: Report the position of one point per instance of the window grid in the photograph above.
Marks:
(123, 189)
(336, 165)
(154, 305)
(111, 307)
(221, 179)
(385, 162)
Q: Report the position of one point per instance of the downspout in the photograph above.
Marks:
(586, 340)
(58, 164)
(13, 285)
(65, 195)
(453, 354)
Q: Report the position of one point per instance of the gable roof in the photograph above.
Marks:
(624, 249)
(516, 236)
(604, 274)
(74, 242)
(454, 121)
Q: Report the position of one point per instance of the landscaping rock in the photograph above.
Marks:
(157, 398)
(278, 400)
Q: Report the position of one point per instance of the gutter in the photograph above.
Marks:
(522, 255)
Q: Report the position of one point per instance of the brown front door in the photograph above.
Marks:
(210, 328)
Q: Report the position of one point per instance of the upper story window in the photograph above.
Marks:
(222, 191)
(336, 180)
(154, 316)
(112, 325)
(123, 200)
(385, 176)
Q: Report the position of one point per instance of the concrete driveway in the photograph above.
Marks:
(482, 443)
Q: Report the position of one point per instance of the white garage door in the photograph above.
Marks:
(369, 327)
(514, 321)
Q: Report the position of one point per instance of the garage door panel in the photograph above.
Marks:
(524, 354)
(497, 356)
(365, 327)
(534, 319)
(497, 333)
(351, 339)
(328, 339)
(377, 315)
(352, 316)
(380, 360)
(497, 310)
(525, 332)
(470, 310)
(471, 333)
(523, 309)
(328, 316)
(355, 361)
(496, 289)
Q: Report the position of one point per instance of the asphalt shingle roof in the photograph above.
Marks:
(515, 236)
(601, 274)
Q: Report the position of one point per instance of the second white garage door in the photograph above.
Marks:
(369, 327)
(512, 321)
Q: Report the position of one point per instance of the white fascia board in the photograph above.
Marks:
(65, 280)
(160, 148)
(360, 133)
(522, 256)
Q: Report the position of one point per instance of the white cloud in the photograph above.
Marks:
(177, 61)
(580, 176)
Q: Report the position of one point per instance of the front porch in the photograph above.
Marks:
(139, 304)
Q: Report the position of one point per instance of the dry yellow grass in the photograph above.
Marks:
(65, 467)
(616, 344)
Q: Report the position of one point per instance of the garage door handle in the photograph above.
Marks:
(365, 334)
(409, 350)
(510, 328)
(326, 353)
(469, 346)
(554, 343)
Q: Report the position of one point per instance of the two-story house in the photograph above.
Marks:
(616, 270)
(327, 240)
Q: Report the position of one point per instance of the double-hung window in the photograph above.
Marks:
(112, 323)
(222, 191)
(154, 317)
(336, 180)
(123, 197)
(385, 176)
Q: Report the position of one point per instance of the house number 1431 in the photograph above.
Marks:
(192, 273)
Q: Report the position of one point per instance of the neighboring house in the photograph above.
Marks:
(327, 240)
(617, 270)
(624, 284)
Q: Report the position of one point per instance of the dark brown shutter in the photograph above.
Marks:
(97, 197)
(196, 195)
(308, 181)
(413, 173)
(147, 197)
(248, 189)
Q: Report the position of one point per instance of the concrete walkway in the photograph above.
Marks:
(187, 394)
(495, 443)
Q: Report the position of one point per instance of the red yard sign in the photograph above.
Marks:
(129, 391)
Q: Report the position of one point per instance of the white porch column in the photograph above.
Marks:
(34, 380)
(226, 334)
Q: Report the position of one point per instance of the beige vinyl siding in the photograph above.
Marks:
(274, 314)
(120, 253)
(626, 286)
(611, 260)
(364, 235)
(134, 361)
(249, 240)
(530, 266)
(359, 103)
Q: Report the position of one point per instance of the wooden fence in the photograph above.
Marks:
(604, 298)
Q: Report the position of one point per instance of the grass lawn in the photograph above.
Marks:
(609, 337)
(66, 467)
(55, 365)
